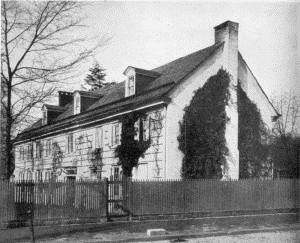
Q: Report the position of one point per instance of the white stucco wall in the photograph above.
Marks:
(181, 97)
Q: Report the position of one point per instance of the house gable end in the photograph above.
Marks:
(254, 91)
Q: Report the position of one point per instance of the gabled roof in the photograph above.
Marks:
(142, 71)
(89, 94)
(112, 96)
(55, 107)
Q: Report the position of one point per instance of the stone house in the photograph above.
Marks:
(84, 124)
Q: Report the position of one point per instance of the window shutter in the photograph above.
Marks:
(106, 135)
(112, 135)
(66, 144)
(137, 130)
(100, 137)
(34, 150)
(146, 129)
(120, 132)
(71, 143)
(96, 138)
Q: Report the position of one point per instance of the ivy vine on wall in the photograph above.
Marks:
(202, 131)
(57, 156)
(130, 150)
(252, 136)
(95, 157)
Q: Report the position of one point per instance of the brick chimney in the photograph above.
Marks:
(64, 98)
(227, 32)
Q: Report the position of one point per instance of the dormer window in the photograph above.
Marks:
(137, 80)
(84, 99)
(131, 85)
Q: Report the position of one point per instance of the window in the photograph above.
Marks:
(29, 175)
(21, 157)
(71, 173)
(70, 143)
(39, 150)
(21, 175)
(48, 147)
(131, 85)
(38, 175)
(47, 175)
(77, 103)
(142, 129)
(29, 151)
(99, 138)
(115, 134)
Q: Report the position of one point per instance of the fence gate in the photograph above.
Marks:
(117, 197)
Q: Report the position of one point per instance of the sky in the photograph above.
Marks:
(150, 34)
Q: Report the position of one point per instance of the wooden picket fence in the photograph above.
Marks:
(73, 200)
(211, 196)
(52, 200)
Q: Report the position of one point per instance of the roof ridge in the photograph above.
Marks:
(191, 54)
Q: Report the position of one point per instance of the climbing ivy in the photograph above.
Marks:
(130, 150)
(57, 156)
(251, 133)
(202, 131)
(95, 157)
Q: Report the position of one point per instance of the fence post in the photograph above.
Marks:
(128, 197)
(31, 211)
(107, 198)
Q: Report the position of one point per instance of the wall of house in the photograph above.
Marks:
(181, 97)
(250, 85)
(151, 166)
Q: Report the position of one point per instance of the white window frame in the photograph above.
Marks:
(115, 135)
(21, 176)
(48, 147)
(70, 143)
(99, 138)
(29, 175)
(39, 175)
(29, 151)
(39, 150)
(48, 175)
(21, 157)
(131, 85)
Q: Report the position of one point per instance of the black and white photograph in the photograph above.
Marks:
(137, 121)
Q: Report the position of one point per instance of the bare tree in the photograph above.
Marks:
(39, 51)
(286, 136)
(288, 105)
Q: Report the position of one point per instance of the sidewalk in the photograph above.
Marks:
(136, 231)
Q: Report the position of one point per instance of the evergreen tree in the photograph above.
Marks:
(95, 79)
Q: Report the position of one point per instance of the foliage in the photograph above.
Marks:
(288, 105)
(38, 55)
(202, 132)
(96, 160)
(285, 153)
(130, 150)
(57, 156)
(285, 149)
(96, 77)
(252, 132)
